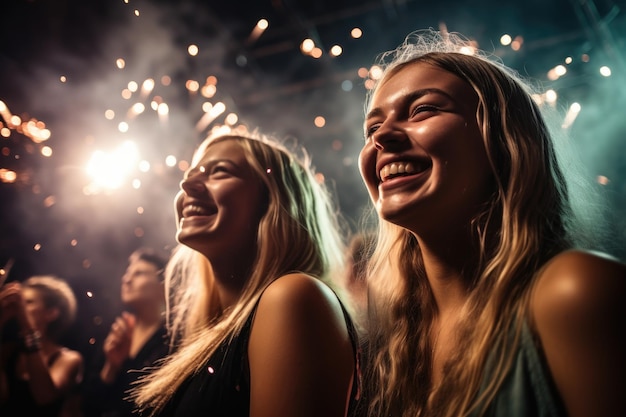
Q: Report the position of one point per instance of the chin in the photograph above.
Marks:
(194, 242)
(191, 240)
(389, 213)
(398, 216)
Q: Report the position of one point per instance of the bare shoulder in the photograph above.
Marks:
(579, 284)
(71, 358)
(298, 291)
(578, 313)
(299, 305)
(67, 370)
(73, 355)
(300, 352)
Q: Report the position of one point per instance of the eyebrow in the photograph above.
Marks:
(212, 162)
(409, 98)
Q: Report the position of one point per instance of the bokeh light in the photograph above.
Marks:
(109, 170)
(148, 72)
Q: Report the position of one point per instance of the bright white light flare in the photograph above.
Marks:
(109, 170)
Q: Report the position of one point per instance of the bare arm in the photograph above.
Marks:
(579, 311)
(47, 385)
(301, 357)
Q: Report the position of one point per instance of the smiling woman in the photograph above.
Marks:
(485, 297)
(258, 329)
(433, 136)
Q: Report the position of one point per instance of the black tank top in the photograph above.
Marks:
(222, 388)
(21, 402)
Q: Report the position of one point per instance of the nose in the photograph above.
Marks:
(192, 185)
(388, 136)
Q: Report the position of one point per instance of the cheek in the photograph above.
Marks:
(257, 210)
(32, 310)
(243, 206)
(178, 205)
(443, 135)
(154, 288)
(365, 164)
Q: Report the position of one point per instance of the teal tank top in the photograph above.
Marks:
(527, 390)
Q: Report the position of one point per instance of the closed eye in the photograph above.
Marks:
(371, 130)
(218, 170)
(423, 108)
(212, 168)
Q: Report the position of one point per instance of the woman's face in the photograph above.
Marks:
(424, 162)
(141, 283)
(37, 313)
(221, 203)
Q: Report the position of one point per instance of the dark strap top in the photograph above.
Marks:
(528, 390)
(112, 400)
(20, 399)
(222, 388)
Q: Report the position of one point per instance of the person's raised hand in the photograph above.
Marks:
(12, 303)
(118, 341)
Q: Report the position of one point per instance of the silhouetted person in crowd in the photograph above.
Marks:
(39, 377)
(137, 338)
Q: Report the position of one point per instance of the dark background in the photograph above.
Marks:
(50, 225)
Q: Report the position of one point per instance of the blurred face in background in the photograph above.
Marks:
(141, 283)
(38, 315)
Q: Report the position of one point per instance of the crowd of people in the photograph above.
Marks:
(483, 290)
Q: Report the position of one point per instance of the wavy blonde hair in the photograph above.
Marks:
(299, 232)
(527, 220)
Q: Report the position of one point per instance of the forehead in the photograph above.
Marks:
(31, 293)
(140, 264)
(222, 149)
(422, 76)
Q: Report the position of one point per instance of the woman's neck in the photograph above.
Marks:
(230, 279)
(149, 315)
(449, 271)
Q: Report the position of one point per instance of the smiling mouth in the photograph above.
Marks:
(400, 169)
(192, 210)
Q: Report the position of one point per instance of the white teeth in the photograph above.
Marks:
(192, 210)
(395, 168)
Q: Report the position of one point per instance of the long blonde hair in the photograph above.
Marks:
(300, 232)
(528, 220)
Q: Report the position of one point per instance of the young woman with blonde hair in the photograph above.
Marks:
(483, 297)
(258, 330)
